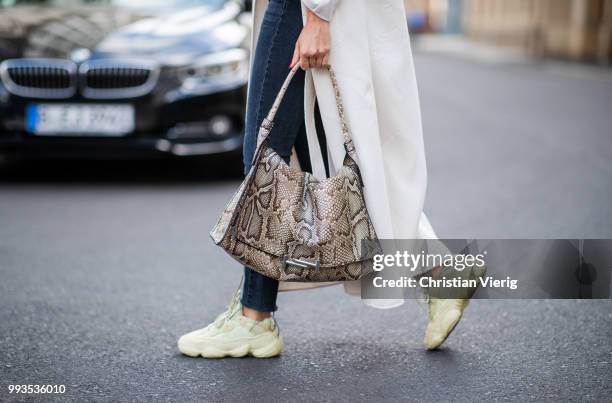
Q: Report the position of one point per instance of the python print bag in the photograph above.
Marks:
(290, 226)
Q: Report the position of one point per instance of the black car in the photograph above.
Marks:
(115, 78)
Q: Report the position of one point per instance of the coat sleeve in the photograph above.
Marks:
(323, 8)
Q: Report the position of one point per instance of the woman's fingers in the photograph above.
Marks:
(314, 42)
(296, 55)
(313, 59)
(311, 52)
(320, 61)
(304, 62)
(307, 58)
(326, 60)
(313, 62)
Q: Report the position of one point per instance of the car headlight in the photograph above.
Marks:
(214, 68)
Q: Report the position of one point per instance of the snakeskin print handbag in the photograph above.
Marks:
(289, 226)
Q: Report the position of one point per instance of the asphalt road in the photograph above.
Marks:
(104, 265)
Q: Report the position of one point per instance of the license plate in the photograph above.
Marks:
(80, 119)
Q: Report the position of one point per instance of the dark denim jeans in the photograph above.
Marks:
(281, 26)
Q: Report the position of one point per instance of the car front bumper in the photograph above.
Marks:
(99, 148)
(163, 129)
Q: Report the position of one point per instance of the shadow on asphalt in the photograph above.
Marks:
(149, 172)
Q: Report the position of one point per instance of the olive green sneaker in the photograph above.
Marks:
(445, 313)
(234, 335)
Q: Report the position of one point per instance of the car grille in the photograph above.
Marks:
(99, 79)
(117, 79)
(39, 78)
(110, 77)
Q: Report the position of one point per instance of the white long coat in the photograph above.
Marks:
(372, 58)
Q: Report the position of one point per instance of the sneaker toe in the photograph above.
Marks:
(438, 330)
(188, 343)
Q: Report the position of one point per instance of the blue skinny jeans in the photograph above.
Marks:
(281, 26)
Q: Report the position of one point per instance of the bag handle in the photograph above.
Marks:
(268, 122)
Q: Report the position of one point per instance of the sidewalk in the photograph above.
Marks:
(461, 47)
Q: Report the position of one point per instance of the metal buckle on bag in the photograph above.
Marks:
(304, 264)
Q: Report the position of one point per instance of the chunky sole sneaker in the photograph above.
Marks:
(234, 335)
(265, 345)
(445, 314)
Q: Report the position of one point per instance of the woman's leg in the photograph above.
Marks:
(280, 29)
(258, 295)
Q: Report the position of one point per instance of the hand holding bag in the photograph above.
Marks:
(290, 226)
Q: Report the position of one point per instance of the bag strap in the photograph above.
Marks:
(268, 122)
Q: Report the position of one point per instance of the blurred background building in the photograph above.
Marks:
(573, 29)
